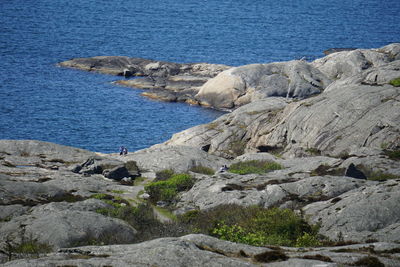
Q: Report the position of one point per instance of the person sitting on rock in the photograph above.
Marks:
(125, 152)
(121, 150)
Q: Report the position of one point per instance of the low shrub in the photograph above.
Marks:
(253, 225)
(26, 247)
(101, 196)
(32, 246)
(202, 170)
(381, 176)
(164, 174)
(161, 190)
(254, 166)
(395, 82)
(308, 240)
(168, 189)
(313, 151)
(144, 220)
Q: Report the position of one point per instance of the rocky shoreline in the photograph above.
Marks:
(331, 125)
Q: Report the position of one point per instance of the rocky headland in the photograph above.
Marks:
(329, 128)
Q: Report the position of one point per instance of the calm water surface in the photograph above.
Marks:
(41, 101)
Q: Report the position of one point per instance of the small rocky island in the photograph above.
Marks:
(313, 145)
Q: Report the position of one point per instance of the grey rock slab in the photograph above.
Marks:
(367, 212)
(201, 250)
(228, 248)
(302, 263)
(266, 190)
(90, 204)
(169, 81)
(336, 121)
(375, 164)
(9, 211)
(68, 228)
(27, 193)
(228, 135)
(177, 158)
(358, 111)
(244, 84)
(159, 252)
(348, 63)
(255, 156)
(322, 187)
(116, 65)
(47, 151)
(308, 164)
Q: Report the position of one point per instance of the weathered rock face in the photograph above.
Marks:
(348, 63)
(109, 167)
(299, 183)
(201, 250)
(353, 122)
(177, 158)
(334, 122)
(168, 81)
(360, 110)
(31, 152)
(242, 85)
(228, 135)
(41, 199)
(67, 224)
(368, 212)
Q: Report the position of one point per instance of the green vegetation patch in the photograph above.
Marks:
(164, 174)
(167, 190)
(254, 166)
(376, 175)
(253, 225)
(381, 176)
(395, 82)
(32, 247)
(313, 151)
(26, 248)
(117, 191)
(101, 196)
(144, 220)
(202, 170)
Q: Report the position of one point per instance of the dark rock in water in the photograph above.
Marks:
(352, 171)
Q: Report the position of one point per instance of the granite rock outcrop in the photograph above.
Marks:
(332, 125)
(164, 81)
(357, 111)
(201, 250)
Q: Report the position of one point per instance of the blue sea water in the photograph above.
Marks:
(39, 100)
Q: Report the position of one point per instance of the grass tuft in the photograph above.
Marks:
(254, 166)
(395, 82)
(167, 190)
(202, 170)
